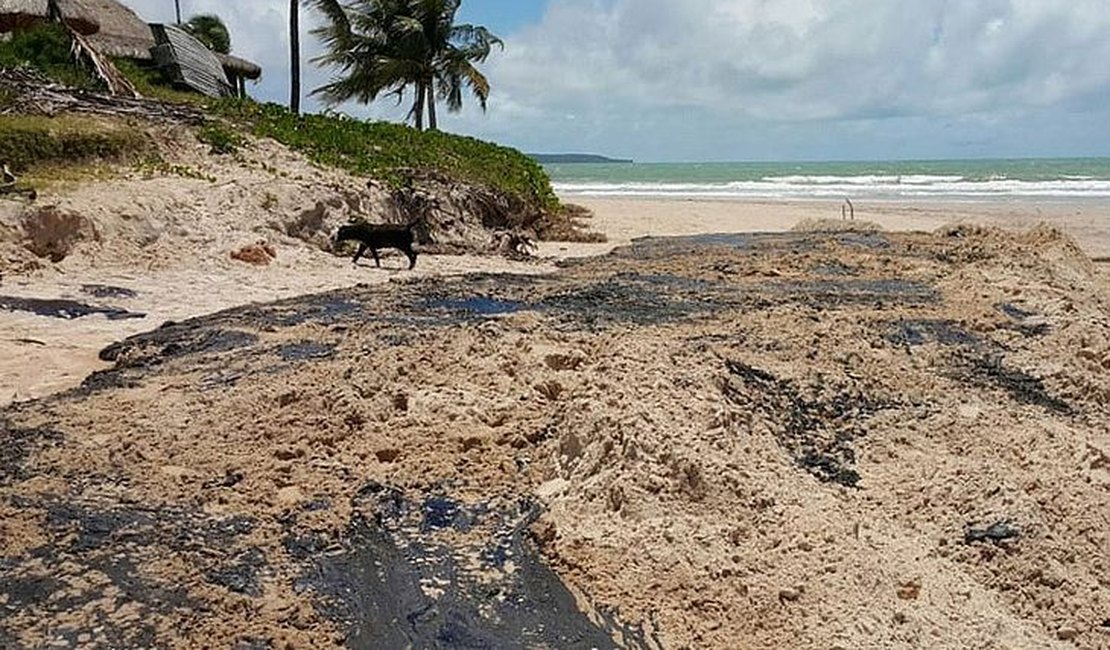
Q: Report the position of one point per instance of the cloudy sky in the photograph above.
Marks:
(681, 80)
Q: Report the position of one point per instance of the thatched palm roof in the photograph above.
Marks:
(240, 67)
(20, 14)
(113, 29)
(122, 33)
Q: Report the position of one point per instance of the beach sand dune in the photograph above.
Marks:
(165, 239)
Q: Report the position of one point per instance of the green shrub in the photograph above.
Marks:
(388, 151)
(27, 141)
(222, 139)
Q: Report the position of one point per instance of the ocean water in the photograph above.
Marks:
(941, 180)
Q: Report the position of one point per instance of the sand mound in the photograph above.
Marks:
(894, 440)
(191, 206)
(52, 233)
(835, 225)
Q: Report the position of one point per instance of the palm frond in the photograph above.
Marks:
(456, 73)
(475, 39)
(335, 33)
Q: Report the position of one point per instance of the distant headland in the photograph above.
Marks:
(556, 158)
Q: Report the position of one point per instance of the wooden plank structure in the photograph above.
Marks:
(185, 60)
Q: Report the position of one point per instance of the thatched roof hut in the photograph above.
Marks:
(21, 14)
(122, 33)
(239, 67)
(113, 29)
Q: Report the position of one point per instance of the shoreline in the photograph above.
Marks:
(1095, 202)
(623, 219)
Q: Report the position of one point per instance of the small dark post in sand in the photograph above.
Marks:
(848, 211)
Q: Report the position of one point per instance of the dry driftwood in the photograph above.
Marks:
(103, 67)
(33, 93)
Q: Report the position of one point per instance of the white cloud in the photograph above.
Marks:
(813, 59)
(762, 78)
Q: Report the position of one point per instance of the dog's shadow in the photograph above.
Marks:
(384, 267)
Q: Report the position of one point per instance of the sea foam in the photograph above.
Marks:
(891, 187)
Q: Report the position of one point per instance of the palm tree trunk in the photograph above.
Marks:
(294, 57)
(418, 107)
(432, 108)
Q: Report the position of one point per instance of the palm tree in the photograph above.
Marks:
(386, 47)
(294, 56)
(210, 30)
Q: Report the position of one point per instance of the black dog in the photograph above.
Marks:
(375, 236)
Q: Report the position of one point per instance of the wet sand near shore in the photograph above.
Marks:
(623, 219)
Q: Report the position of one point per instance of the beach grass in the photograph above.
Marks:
(391, 152)
(31, 141)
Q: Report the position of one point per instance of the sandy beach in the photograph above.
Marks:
(795, 429)
(811, 439)
(630, 326)
(624, 219)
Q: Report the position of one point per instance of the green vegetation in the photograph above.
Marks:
(222, 138)
(46, 48)
(155, 166)
(383, 47)
(210, 30)
(391, 151)
(29, 140)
